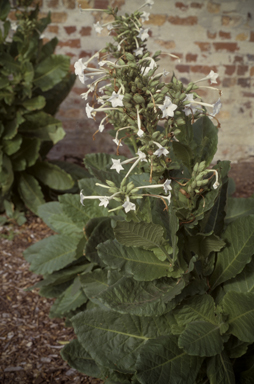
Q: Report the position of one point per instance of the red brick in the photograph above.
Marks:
(52, 3)
(157, 19)
(69, 4)
(238, 59)
(70, 54)
(70, 30)
(53, 29)
(213, 7)
(101, 4)
(203, 46)
(182, 68)
(228, 82)
(72, 43)
(248, 94)
(242, 69)
(252, 36)
(85, 54)
(252, 71)
(196, 5)
(211, 35)
(231, 21)
(58, 17)
(190, 20)
(205, 69)
(225, 35)
(229, 69)
(181, 6)
(85, 31)
(230, 47)
(191, 57)
(244, 82)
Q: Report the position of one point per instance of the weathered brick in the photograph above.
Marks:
(69, 4)
(53, 29)
(58, 17)
(225, 35)
(85, 54)
(101, 4)
(248, 94)
(238, 60)
(156, 19)
(228, 82)
(229, 69)
(203, 46)
(211, 35)
(70, 30)
(84, 4)
(230, 47)
(242, 69)
(52, 3)
(176, 20)
(72, 43)
(241, 36)
(231, 21)
(213, 7)
(169, 44)
(250, 57)
(252, 36)
(191, 57)
(71, 55)
(196, 5)
(252, 71)
(181, 6)
(182, 68)
(244, 82)
(85, 31)
(205, 69)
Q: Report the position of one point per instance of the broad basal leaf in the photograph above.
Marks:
(13, 145)
(114, 340)
(30, 191)
(142, 264)
(51, 71)
(244, 282)
(161, 361)
(233, 258)
(239, 207)
(220, 369)
(240, 310)
(53, 176)
(37, 102)
(27, 154)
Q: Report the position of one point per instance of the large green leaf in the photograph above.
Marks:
(34, 103)
(94, 283)
(78, 358)
(5, 8)
(233, 258)
(52, 176)
(239, 207)
(220, 369)
(27, 154)
(142, 264)
(205, 140)
(11, 127)
(161, 361)
(51, 71)
(13, 145)
(102, 232)
(240, 310)
(30, 191)
(114, 340)
(243, 282)
(183, 153)
(6, 174)
(54, 255)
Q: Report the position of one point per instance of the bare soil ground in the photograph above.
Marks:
(30, 342)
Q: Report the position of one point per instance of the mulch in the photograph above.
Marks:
(30, 342)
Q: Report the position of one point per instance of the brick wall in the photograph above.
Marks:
(205, 34)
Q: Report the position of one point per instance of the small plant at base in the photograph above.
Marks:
(153, 262)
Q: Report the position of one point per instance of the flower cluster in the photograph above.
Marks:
(135, 100)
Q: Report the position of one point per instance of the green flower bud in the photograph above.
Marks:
(127, 97)
(121, 62)
(110, 183)
(118, 199)
(123, 182)
(135, 190)
(201, 166)
(127, 104)
(113, 190)
(150, 105)
(154, 83)
(189, 189)
(182, 97)
(138, 99)
(189, 87)
(129, 56)
(180, 121)
(178, 113)
(177, 131)
(133, 88)
(185, 102)
(193, 184)
(156, 135)
(164, 142)
(129, 187)
(136, 196)
(195, 168)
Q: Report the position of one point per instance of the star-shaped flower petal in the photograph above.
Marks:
(168, 107)
(212, 77)
(150, 3)
(116, 99)
(138, 51)
(104, 201)
(89, 111)
(161, 151)
(116, 141)
(140, 133)
(128, 206)
(145, 16)
(117, 165)
(141, 155)
(98, 28)
(167, 187)
(79, 67)
(143, 34)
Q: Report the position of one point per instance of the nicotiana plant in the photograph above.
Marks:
(33, 83)
(152, 265)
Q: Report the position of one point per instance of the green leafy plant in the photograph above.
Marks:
(158, 286)
(33, 83)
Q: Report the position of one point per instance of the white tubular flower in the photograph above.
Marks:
(216, 108)
(138, 51)
(216, 185)
(116, 99)
(83, 78)
(101, 126)
(116, 141)
(140, 132)
(14, 26)
(143, 34)
(141, 155)
(167, 187)
(89, 111)
(85, 94)
(104, 201)
(150, 3)
(161, 151)
(152, 65)
(168, 107)
(145, 16)
(212, 76)
(79, 67)
(128, 206)
(117, 165)
(83, 197)
(98, 28)
(110, 27)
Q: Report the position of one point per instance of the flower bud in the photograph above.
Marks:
(138, 99)
(129, 56)
(182, 97)
(201, 166)
(113, 190)
(189, 88)
(110, 183)
(180, 121)
(195, 168)
(129, 187)
(193, 184)
(156, 135)
(135, 190)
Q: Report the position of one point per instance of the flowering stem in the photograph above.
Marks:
(132, 167)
